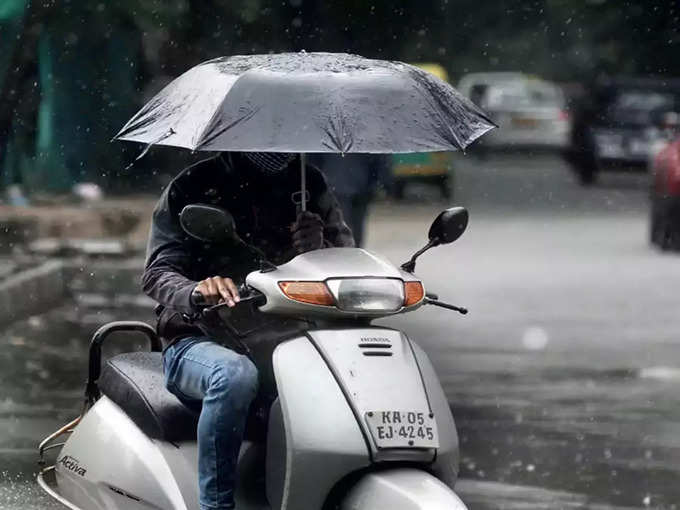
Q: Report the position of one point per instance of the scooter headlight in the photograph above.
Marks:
(367, 294)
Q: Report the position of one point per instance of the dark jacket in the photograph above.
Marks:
(263, 211)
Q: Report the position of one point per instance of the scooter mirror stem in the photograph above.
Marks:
(410, 266)
(265, 265)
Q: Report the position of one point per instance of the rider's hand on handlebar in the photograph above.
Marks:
(218, 290)
(307, 232)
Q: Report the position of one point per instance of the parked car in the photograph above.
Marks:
(475, 85)
(427, 167)
(617, 124)
(665, 209)
(529, 111)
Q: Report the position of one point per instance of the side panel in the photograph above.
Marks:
(182, 460)
(108, 463)
(321, 441)
(403, 489)
(445, 466)
(378, 370)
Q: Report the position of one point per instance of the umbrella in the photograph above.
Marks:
(308, 102)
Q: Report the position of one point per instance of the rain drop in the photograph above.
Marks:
(535, 338)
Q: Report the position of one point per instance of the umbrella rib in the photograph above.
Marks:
(165, 135)
(200, 140)
(423, 89)
(204, 141)
(428, 96)
(337, 135)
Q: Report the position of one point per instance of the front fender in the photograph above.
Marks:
(401, 489)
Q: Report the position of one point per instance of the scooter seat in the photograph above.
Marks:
(135, 382)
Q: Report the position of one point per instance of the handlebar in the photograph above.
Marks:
(247, 295)
(198, 299)
(433, 299)
(238, 320)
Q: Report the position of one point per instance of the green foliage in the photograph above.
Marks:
(562, 39)
(11, 9)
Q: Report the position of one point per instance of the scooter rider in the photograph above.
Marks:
(256, 188)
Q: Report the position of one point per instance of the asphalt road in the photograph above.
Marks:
(563, 378)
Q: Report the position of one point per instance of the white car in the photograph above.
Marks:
(474, 85)
(530, 112)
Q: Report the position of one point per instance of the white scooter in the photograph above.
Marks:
(360, 422)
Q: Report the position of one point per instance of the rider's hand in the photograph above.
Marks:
(218, 290)
(307, 232)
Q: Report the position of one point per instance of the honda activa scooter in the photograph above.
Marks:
(359, 420)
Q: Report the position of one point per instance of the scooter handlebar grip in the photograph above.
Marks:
(198, 299)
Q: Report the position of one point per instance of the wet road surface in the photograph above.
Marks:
(566, 373)
(564, 379)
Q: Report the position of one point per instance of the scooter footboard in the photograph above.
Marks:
(403, 489)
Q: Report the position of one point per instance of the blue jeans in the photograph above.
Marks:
(222, 383)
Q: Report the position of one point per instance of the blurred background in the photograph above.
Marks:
(563, 379)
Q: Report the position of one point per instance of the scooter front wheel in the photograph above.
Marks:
(401, 489)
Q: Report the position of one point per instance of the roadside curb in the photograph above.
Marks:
(87, 282)
(32, 291)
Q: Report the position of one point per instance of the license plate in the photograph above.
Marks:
(402, 429)
(610, 150)
(638, 147)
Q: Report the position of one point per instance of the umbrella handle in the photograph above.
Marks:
(303, 182)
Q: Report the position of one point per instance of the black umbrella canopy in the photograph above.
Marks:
(308, 102)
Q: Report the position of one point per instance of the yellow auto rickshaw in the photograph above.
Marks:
(429, 167)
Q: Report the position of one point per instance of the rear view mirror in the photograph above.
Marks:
(208, 223)
(448, 226)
